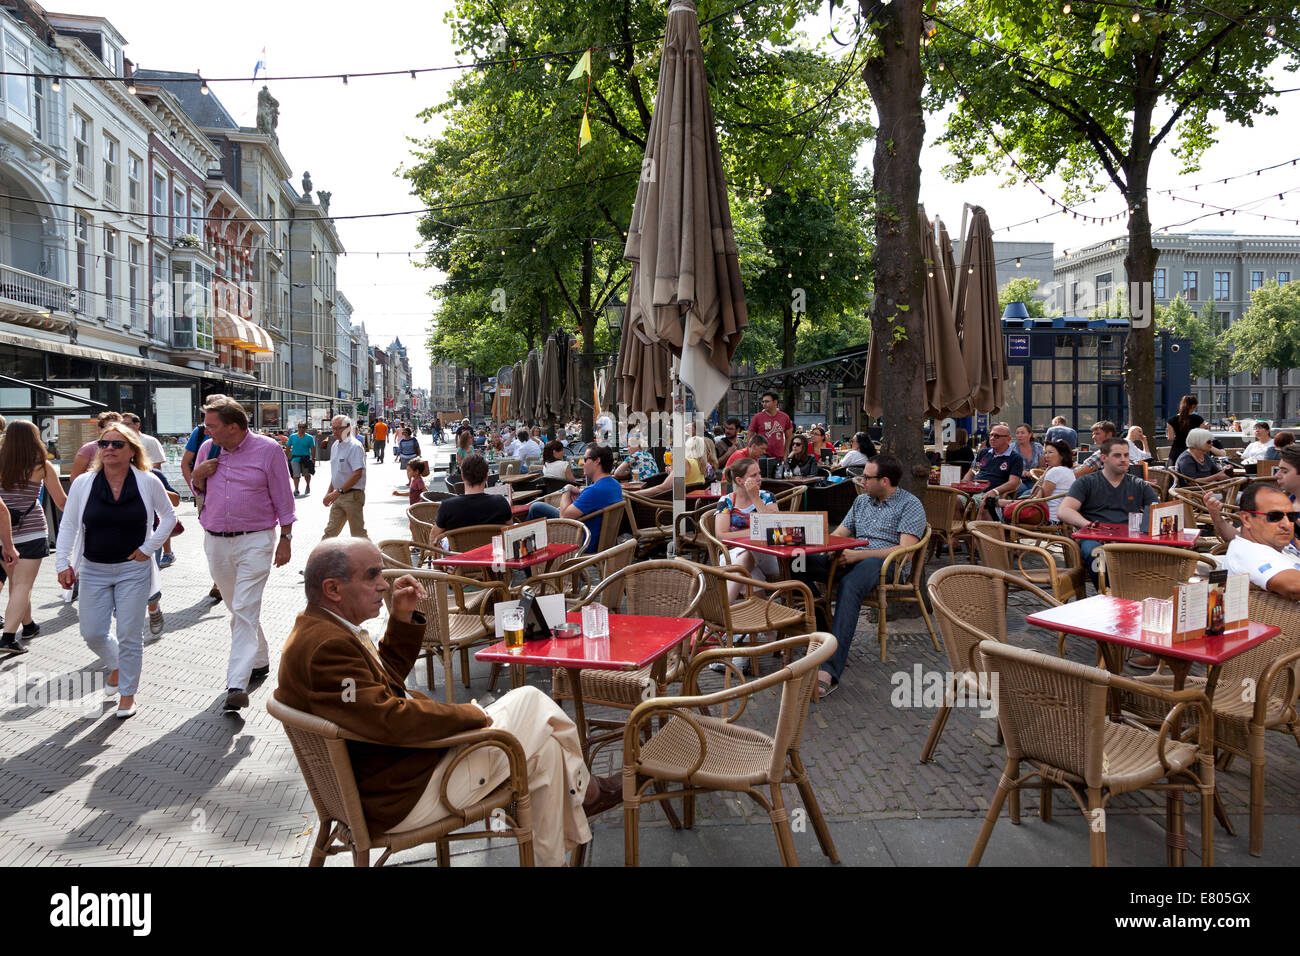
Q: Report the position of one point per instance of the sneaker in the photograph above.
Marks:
(215, 593)
(167, 560)
(236, 697)
(10, 644)
(740, 663)
(156, 621)
(31, 629)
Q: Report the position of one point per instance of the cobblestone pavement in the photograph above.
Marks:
(183, 784)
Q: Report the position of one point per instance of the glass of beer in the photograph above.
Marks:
(512, 626)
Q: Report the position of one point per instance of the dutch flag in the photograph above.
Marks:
(261, 65)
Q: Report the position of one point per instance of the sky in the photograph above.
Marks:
(353, 138)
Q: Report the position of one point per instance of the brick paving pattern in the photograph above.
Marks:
(182, 784)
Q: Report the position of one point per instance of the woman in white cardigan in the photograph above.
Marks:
(107, 539)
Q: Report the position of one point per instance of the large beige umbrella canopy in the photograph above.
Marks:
(947, 389)
(529, 388)
(516, 389)
(685, 293)
(550, 392)
(979, 320)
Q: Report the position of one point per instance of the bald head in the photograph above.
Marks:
(335, 559)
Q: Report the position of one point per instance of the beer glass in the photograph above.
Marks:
(512, 625)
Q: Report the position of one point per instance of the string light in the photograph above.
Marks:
(345, 79)
(203, 88)
(1066, 9)
(55, 86)
(130, 86)
(1137, 17)
(1017, 262)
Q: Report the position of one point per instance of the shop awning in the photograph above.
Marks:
(228, 329)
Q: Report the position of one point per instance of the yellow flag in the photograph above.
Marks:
(584, 135)
(584, 66)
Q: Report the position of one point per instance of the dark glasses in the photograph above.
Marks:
(111, 443)
(1273, 517)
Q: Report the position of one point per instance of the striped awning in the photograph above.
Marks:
(260, 339)
(226, 328)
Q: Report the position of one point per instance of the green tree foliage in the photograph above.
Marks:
(1022, 290)
(1267, 336)
(555, 247)
(1093, 93)
(1207, 348)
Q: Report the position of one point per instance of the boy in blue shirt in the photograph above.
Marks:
(602, 491)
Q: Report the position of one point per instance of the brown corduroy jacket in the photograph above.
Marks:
(325, 670)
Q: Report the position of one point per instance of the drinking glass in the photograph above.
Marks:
(1134, 524)
(1157, 615)
(512, 625)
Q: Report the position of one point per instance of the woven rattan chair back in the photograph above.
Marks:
(396, 552)
(470, 537)
(792, 499)
(611, 524)
(663, 588)
(1138, 571)
(1051, 711)
(796, 694)
(1244, 670)
(326, 768)
(508, 466)
(435, 605)
(422, 515)
(437, 497)
(568, 531)
(1161, 479)
(941, 509)
(835, 500)
(971, 605)
(715, 604)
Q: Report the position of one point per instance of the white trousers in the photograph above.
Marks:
(240, 567)
(557, 776)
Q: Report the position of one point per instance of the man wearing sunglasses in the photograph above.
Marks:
(1268, 523)
(602, 491)
(1288, 480)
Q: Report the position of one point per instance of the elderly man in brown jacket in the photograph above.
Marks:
(330, 667)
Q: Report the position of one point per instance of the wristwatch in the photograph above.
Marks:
(286, 535)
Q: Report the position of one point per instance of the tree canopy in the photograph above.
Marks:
(1268, 335)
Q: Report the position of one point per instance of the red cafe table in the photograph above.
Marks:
(481, 557)
(1116, 623)
(834, 545)
(634, 642)
(970, 487)
(1119, 534)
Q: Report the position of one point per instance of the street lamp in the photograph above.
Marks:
(614, 313)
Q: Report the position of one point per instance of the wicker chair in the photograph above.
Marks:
(451, 622)
(945, 512)
(1162, 480)
(651, 519)
(422, 515)
(508, 466)
(1029, 554)
(690, 540)
(791, 499)
(1054, 714)
(970, 604)
(704, 753)
(611, 524)
(566, 531)
(1138, 571)
(786, 607)
(652, 588)
(834, 499)
(576, 577)
(1272, 671)
(404, 554)
(1033, 512)
(322, 751)
(437, 497)
(900, 579)
(551, 485)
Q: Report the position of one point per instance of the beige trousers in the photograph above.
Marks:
(349, 506)
(557, 776)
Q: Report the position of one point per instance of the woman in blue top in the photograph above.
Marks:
(732, 520)
(407, 448)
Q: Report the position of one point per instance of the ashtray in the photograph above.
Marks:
(566, 630)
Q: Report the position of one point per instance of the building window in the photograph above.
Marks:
(1256, 402)
(159, 206)
(196, 217)
(83, 257)
(1189, 285)
(134, 183)
(1256, 378)
(1104, 283)
(1256, 280)
(1074, 296)
(135, 252)
(112, 185)
(16, 92)
(811, 402)
(1283, 278)
(1222, 286)
(38, 106)
(113, 59)
(81, 149)
(1160, 284)
(110, 268)
(201, 313)
(178, 213)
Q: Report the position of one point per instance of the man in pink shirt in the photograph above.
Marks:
(773, 424)
(247, 493)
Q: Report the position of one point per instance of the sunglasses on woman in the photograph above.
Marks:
(112, 443)
(1273, 517)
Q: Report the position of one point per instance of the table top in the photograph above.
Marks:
(519, 510)
(1119, 534)
(634, 641)
(795, 480)
(481, 557)
(515, 479)
(1119, 621)
(973, 487)
(703, 495)
(833, 543)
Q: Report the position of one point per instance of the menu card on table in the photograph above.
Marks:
(1211, 607)
(797, 528)
(1165, 519)
(523, 539)
(505, 491)
(949, 475)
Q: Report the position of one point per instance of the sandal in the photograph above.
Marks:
(826, 687)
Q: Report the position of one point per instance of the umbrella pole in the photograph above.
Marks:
(679, 451)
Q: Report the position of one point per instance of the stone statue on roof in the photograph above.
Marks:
(306, 186)
(323, 198)
(268, 113)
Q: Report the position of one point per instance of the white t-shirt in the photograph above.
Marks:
(558, 469)
(1255, 451)
(153, 448)
(1136, 454)
(853, 457)
(1258, 560)
(1061, 479)
(528, 449)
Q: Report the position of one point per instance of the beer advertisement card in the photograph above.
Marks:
(524, 539)
(1165, 519)
(789, 528)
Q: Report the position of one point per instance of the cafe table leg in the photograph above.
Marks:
(1176, 842)
(579, 715)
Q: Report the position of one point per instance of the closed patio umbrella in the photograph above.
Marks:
(531, 381)
(550, 390)
(947, 389)
(571, 362)
(979, 320)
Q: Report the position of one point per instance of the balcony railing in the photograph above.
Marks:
(85, 176)
(35, 300)
(112, 193)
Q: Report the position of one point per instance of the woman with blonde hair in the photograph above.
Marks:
(107, 541)
(24, 472)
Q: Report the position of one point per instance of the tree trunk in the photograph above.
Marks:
(1140, 267)
(787, 356)
(588, 375)
(1279, 407)
(895, 79)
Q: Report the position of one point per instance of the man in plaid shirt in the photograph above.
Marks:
(887, 517)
